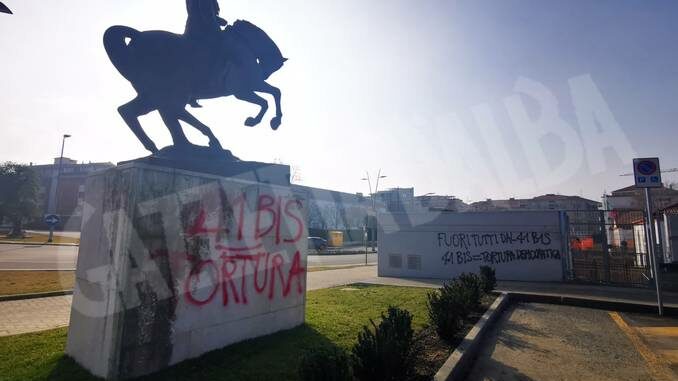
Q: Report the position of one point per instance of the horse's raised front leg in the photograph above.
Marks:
(275, 92)
(251, 97)
(130, 113)
(193, 121)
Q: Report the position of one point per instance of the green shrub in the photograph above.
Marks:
(488, 279)
(447, 308)
(386, 352)
(325, 364)
(472, 289)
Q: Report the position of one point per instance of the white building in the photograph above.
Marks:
(584, 214)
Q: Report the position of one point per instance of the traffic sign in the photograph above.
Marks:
(51, 219)
(647, 173)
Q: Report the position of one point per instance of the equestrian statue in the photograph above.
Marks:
(211, 59)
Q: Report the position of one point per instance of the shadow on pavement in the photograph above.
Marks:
(512, 333)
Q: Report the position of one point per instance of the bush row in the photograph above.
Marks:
(387, 351)
(449, 306)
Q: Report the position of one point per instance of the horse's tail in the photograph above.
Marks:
(117, 49)
(268, 53)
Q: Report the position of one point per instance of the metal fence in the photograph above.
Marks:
(608, 247)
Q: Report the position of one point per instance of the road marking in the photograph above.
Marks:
(658, 368)
(670, 355)
(659, 331)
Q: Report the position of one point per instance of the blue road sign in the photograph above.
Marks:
(647, 167)
(647, 172)
(52, 219)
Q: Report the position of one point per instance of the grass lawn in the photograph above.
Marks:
(40, 238)
(333, 318)
(26, 282)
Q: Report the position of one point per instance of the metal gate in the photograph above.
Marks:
(608, 247)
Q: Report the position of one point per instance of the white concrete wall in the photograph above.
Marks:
(524, 245)
(174, 264)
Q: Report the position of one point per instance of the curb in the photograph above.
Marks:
(340, 267)
(326, 254)
(29, 270)
(37, 243)
(460, 361)
(8, 298)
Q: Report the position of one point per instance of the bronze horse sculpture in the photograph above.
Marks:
(169, 71)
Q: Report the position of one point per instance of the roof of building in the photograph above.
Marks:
(559, 197)
(547, 197)
(632, 190)
(70, 163)
(671, 209)
(328, 194)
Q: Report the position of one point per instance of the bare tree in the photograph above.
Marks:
(19, 185)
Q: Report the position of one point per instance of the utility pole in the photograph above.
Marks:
(56, 186)
(374, 205)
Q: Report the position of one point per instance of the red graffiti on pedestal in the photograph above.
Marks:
(229, 277)
(244, 266)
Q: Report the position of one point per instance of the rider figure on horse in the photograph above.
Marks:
(203, 28)
(218, 51)
(203, 19)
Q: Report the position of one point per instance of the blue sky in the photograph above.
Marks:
(430, 91)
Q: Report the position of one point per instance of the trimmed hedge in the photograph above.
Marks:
(386, 352)
(326, 364)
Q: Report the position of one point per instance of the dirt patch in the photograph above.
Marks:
(40, 238)
(28, 282)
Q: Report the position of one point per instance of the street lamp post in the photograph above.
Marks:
(56, 198)
(374, 204)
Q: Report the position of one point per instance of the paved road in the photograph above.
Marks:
(20, 257)
(59, 233)
(553, 342)
(32, 257)
(341, 260)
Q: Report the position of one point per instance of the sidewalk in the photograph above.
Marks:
(592, 292)
(30, 315)
(23, 316)
(332, 278)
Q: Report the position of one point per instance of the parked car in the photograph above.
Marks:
(316, 243)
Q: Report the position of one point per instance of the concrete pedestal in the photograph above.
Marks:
(173, 264)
